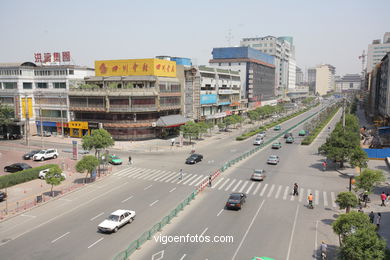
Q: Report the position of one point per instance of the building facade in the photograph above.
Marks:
(384, 89)
(349, 82)
(325, 79)
(377, 50)
(311, 79)
(299, 77)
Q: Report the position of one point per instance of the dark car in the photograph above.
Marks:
(29, 155)
(3, 195)
(286, 135)
(194, 158)
(16, 167)
(15, 136)
(235, 200)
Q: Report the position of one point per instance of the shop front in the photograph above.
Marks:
(60, 127)
(48, 127)
(93, 126)
(78, 128)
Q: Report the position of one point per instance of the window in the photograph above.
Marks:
(350, 85)
(71, 72)
(59, 85)
(10, 85)
(27, 85)
(41, 85)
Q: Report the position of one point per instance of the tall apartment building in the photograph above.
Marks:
(377, 50)
(299, 77)
(283, 50)
(311, 79)
(325, 79)
(39, 95)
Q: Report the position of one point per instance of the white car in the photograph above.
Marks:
(258, 141)
(273, 159)
(261, 134)
(42, 174)
(45, 154)
(116, 220)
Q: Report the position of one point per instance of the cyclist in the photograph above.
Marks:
(324, 164)
(310, 198)
(324, 248)
(295, 193)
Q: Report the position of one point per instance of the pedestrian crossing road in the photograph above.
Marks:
(251, 188)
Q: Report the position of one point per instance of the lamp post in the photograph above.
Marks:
(351, 176)
(40, 115)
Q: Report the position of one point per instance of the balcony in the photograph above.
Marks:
(121, 108)
(113, 92)
(84, 107)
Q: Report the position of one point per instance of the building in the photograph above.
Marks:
(39, 94)
(132, 99)
(377, 50)
(384, 89)
(211, 93)
(257, 73)
(283, 50)
(325, 79)
(349, 82)
(292, 67)
(311, 79)
(299, 77)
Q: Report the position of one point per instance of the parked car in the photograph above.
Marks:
(273, 159)
(261, 134)
(302, 133)
(45, 154)
(194, 158)
(42, 174)
(286, 135)
(277, 145)
(277, 128)
(29, 155)
(258, 141)
(17, 167)
(15, 136)
(3, 195)
(290, 140)
(44, 134)
(258, 175)
(235, 200)
(116, 220)
(114, 159)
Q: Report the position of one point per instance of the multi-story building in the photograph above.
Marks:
(384, 89)
(283, 50)
(311, 79)
(377, 50)
(131, 99)
(349, 82)
(299, 78)
(39, 95)
(256, 70)
(325, 79)
(211, 93)
(292, 67)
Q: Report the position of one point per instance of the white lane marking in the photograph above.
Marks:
(119, 172)
(129, 172)
(231, 183)
(325, 199)
(145, 174)
(169, 175)
(151, 174)
(133, 173)
(223, 184)
(250, 187)
(159, 254)
(155, 175)
(183, 257)
(263, 190)
(285, 192)
(96, 242)
(68, 200)
(184, 178)
(173, 177)
(140, 174)
(246, 232)
(204, 231)
(301, 195)
(333, 199)
(317, 197)
(30, 216)
(148, 186)
(278, 192)
(54, 240)
(202, 180)
(216, 184)
(196, 180)
(219, 213)
(235, 187)
(127, 199)
(271, 190)
(257, 188)
(292, 233)
(243, 186)
(153, 203)
(172, 189)
(161, 175)
(96, 216)
(315, 240)
(194, 176)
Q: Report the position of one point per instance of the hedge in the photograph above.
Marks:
(22, 176)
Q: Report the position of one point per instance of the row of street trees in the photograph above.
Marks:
(263, 112)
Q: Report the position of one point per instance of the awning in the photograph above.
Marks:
(171, 121)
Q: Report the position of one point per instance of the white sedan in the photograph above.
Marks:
(116, 220)
(258, 141)
(273, 159)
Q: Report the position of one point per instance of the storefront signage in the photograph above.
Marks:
(78, 124)
(52, 57)
(208, 99)
(216, 115)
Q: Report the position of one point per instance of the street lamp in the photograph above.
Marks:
(351, 176)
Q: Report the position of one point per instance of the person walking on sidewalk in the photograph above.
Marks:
(130, 161)
(372, 217)
(210, 180)
(378, 220)
(383, 198)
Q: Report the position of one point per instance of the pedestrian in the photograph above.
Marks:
(130, 161)
(295, 193)
(209, 180)
(383, 198)
(372, 217)
(181, 174)
(378, 220)
(360, 209)
(387, 198)
(172, 141)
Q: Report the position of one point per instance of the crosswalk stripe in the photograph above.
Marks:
(278, 192)
(202, 180)
(196, 180)
(144, 174)
(257, 188)
(119, 172)
(271, 190)
(285, 193)
(190, 178)
(173, 177)
(216, 184)
(223, 184)
(333, 199)
(167, 176)
(263, 190)
(231, 183)
(243, 186)
(133, 170)
(134, 174)
(151, 173)
(317, 197)
(154, 174)
(301, 195)
(184, 178)
(250, 187)
(235, 187)
(161, 176)
(308, 193)
(325, 199)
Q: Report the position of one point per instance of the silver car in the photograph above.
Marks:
(273, 159)
(258, 141)
(258, 175)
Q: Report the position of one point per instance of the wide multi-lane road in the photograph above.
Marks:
(66, 228)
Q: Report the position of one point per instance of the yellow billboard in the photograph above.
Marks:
(29, 108)
(135, 67)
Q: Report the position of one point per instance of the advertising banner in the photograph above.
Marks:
(208, 99)
(74, 150)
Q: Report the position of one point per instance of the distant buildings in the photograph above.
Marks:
(299, 77)
(324, 82)
(311, 79)
(349, 82)
(377, 50)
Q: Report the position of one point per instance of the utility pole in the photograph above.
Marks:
(40, 115)
(27, 119)
(62, 119)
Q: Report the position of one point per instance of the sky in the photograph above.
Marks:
(333, 31)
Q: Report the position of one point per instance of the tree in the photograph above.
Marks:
(54, 177)
(229, 120)
(202, 128)
(221, 126)
(368, 179)
(253, 115)
(7, 114)
(99, 139)
(87, 164)
(346, 200)
(190, 130)
(358, 158)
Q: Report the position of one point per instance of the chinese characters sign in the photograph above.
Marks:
(52, 57)
(136, 67)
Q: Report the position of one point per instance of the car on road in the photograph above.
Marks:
(286, 135)
(277, 145)
(194, 158)
(17, 167)
(277, 128)
(273, 159)
(290, 140)
(302, 133)
(258, 175)
(44, 134)
(116, 220)
(42, 174)
(45, 154)
(29, 155)
(114, 159)
(258, 141)
(261, 134)
(3, 195)
(235, 200)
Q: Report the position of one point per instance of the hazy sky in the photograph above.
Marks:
(331, 31)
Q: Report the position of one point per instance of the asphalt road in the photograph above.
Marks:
(66, 228)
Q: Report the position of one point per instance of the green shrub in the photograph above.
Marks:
(22, 176)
